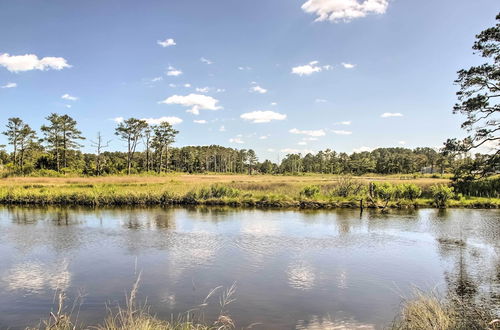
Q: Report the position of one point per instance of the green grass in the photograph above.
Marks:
(320, 191)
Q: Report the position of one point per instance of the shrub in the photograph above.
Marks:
(441, 194)
(347, 186)
(309, 191)
(218, 191)
(385, 191)
(411, 191)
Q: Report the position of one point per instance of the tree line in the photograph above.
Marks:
(58, 149)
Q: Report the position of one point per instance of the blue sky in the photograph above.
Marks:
(274, 76)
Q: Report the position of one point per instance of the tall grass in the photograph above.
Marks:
(430, 311)
(136, 316)
(259, 191)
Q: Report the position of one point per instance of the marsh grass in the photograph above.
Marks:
(318, 191)
(430, 311)
(137, 316)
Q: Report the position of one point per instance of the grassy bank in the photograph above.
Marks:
(419, 312)
(313, 191)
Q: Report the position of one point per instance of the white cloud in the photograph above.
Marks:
(206, 61)
(363, 149)
(391, 114)
(187, 85)
(222, 129)
(155, 79)
(262, 116)
(244, 68)
(166, 43)
(202, 121)
(348, 65)
(220, 90)
(310, 68)
(296, 151)
(258, 89)
(29, 62)
(342, 132)
(118, 119)
(68, 106)
(236, 140)
(346, 122)
(402, 143)
(314, 133)
(302, 143)
(202, 89)
(310, 139)
(157, 121)
(197, 102)
(270, 150)
(9, 85)
(69, 97)
(320, 101)
(344, 10)
(263, 137)
(173, 72)
(274, 104)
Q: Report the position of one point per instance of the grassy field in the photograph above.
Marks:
(236, 190)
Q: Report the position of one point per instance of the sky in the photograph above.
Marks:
(275, 76)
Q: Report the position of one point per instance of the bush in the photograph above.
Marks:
(385, 191)
(347, 186)
(218, 191)
(411, 191)
(310, 191)
(441, 194)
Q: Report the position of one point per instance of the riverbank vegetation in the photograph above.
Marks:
(420, 311)
(310, 191)
(430, 311)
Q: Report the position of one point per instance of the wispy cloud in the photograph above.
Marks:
(346, 122)
(202, 121)
(173, 72)
(236, 140)
(391, 114)
(166, 43)
(315, 133)
(28, 62)
(9, 85)
(262, 116)
(206, 61)
(342, 132)
(69, 97)
(258, 89)
(157, 121)
(348, 65)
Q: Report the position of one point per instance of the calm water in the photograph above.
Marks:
(304, 270)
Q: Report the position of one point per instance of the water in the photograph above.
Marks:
(292, 269)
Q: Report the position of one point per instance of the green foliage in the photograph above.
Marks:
(441, 195)
(386, 191)
(218, 191)
(310, 191)
(411, 191)
(486, 187)
(347, 186)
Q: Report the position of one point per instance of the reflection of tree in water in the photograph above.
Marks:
(473, 280)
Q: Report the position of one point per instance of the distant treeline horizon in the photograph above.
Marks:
(58, 149)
